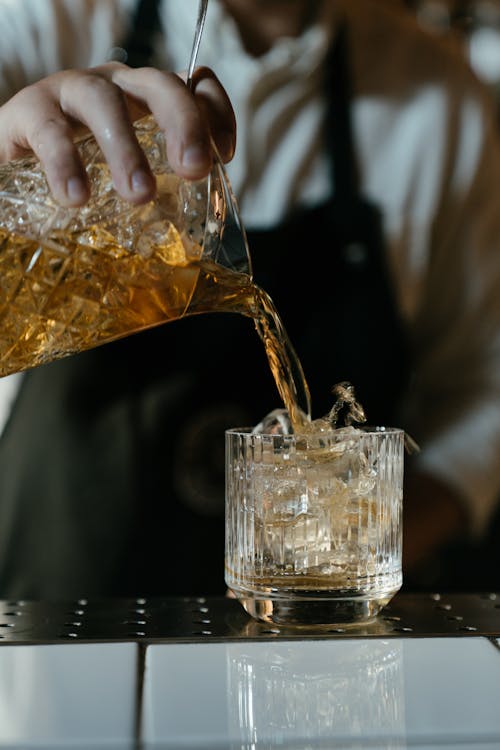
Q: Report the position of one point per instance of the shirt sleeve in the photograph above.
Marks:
(454, 404)
(40, 37)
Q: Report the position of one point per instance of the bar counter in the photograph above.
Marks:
(198, 673)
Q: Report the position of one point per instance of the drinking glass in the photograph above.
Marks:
(313, 523)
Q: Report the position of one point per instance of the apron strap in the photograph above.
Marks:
(340, 146)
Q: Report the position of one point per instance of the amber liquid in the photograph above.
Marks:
(73, 292)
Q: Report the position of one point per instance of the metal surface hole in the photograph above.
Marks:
(273, 631)
(138, 612)
(436, 597)
(202, 632)
(445, 607)
(75, 624)
(82, 602)
(12, 614)
(140, 601)
(393, 618)
(336, 630)
(69, 635)
(457, 618)
(468, 628)
(77, 612)
(200, 600)
(6, 624)
(404, 629)
(134, 622)
(491, 596)
(202, 622)
(200, 610)
(137, 634)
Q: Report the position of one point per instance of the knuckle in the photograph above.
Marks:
(50, 127)
(156, 78)
(109, 68)
(87, 86)
(50, 136)
(92, 84)
(30, 96)
(144, 74)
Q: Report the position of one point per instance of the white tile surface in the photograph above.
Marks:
(277, 694)
(437, 694)
(185, 694)
(65, 695)
(452, 688)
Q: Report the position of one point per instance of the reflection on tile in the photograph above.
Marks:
(441, 691)
(452, 688)
(74, 694)
(317, 693)
(273, 693)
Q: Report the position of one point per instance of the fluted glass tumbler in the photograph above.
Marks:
(313, 524)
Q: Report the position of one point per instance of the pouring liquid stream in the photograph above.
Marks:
(79, 286)
(73, 291)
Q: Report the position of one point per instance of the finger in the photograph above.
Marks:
(213, 99)
(34, 122)
(101, 105)
(53, 144)
(178, 114)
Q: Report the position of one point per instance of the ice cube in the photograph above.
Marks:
(277, 422)
(345, 412)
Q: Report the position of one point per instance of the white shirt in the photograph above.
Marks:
(429, 157)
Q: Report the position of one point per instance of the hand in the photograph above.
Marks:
(46, 117)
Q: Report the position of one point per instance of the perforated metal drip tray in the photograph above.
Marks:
(222, 619)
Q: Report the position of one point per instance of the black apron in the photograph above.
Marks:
(112, 463)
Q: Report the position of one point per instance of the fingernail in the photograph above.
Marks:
(141, 181)
(194, 155)
(76, 190)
